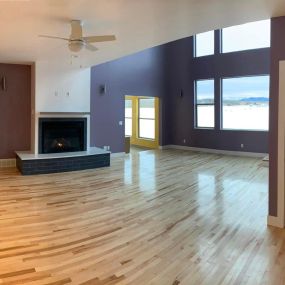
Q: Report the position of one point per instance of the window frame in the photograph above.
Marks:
(196, 104)
(222, 105)
(140, 118)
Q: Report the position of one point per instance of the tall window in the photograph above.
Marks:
(204, 44)
(147, 118)
(205, 103)
(128, 117)
(245, 103)
(248, 36)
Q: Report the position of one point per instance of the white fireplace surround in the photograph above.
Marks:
(35, 132)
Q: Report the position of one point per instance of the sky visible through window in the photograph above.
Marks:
(252, 88)
(204, 44)
(247, 36)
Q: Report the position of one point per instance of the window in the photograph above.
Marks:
(147, 118)
(204, 44)
(128, 117)
(245, 103)
(248, 36)
(205, 103)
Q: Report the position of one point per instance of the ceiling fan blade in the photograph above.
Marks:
(76, 29)
(90, 47)
(52, 37)
(98, 39)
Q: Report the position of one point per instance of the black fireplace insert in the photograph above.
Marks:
(62, 135)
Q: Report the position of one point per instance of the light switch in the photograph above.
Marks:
(120, 123)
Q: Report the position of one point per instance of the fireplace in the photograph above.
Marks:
(62, 135)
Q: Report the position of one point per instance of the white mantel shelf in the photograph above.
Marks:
(65, 113)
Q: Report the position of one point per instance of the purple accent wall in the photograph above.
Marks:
(184, 70)
(140, 74)
(15, 110)
(277, 54)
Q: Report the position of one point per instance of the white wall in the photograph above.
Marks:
(62, 88)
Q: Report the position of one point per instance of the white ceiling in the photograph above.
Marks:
(138, 24)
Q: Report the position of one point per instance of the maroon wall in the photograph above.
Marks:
(277, 54)
(15, 109)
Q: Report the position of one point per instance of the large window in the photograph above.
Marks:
(147, 118)
(128, 117)
(245, 103)
(204, 44)
(248, 36)
(205, 103)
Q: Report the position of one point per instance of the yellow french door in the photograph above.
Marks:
(144, 120)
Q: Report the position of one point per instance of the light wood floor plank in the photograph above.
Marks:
(153, 218)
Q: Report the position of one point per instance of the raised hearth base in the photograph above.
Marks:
(30, 164)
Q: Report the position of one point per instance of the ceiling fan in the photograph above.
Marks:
(77, 42)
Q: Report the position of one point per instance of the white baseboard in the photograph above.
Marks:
(215, 151)
(275, 222)
(118, 154)
(4, 163)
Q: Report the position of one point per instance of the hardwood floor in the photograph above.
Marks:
(155, 217)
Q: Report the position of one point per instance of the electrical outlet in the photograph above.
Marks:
(242, 145)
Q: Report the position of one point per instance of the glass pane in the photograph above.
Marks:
(248, 36)
(128, 108)
(205, 44)
(147, 110)
(246, 103)
(147, 129)
(128, 127)
(205, 91)
(205, 116)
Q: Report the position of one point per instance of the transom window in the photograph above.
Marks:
(247, 36)
(204, 44)
(205, 103)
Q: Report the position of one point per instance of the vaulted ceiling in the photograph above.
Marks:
(138, 24)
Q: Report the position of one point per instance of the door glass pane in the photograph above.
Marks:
(146, 108)
(128, 108)
(128, 127)
(147, 128)
(205, 116)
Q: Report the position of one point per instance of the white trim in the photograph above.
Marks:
(274, 222)
(215, 151)
(4, 163)
(118, 154)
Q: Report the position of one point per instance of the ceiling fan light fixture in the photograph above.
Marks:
(76, 46)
